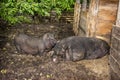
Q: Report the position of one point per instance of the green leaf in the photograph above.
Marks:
(16, 11)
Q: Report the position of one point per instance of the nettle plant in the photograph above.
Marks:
(17, 11)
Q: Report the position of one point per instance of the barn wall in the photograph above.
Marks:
(101, 17)
(114, 58)
(106, 17)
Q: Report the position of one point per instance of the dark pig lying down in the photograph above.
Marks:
(77, 48)
(32, 45)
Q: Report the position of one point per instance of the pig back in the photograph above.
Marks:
(20, 38)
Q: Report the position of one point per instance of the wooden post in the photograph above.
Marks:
(76, 21)
(84, 5)
(118, 16)
(92, 18)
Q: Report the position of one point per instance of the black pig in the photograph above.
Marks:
(32, 45)
(77, 48)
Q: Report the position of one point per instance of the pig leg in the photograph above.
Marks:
(18, 48)
(41, 52)
(78, 56)
(69, 54)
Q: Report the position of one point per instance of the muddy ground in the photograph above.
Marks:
(18, 66)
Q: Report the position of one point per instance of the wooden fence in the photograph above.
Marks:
(114, 58)
(97, 20)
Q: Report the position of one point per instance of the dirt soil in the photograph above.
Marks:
(18, 66)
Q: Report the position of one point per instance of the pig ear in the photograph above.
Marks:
(45, 36)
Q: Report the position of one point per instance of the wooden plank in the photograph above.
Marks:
(113, 75)
(115, 40)
(107, 14)
(103, 27)
(114, 43)
(106, 18)
(92, 18)
(116, 32)
(118, 16)
(84, 5)
(77, 10)
(116, 55)
(82, 27)
(114, 65)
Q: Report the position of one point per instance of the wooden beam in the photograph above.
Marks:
(84, 5)
(92, 18)
(118, 15)
(76, 22)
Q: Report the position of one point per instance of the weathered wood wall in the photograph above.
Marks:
(101, 17)
(106, 18)
(114, 58)
(98, 20)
